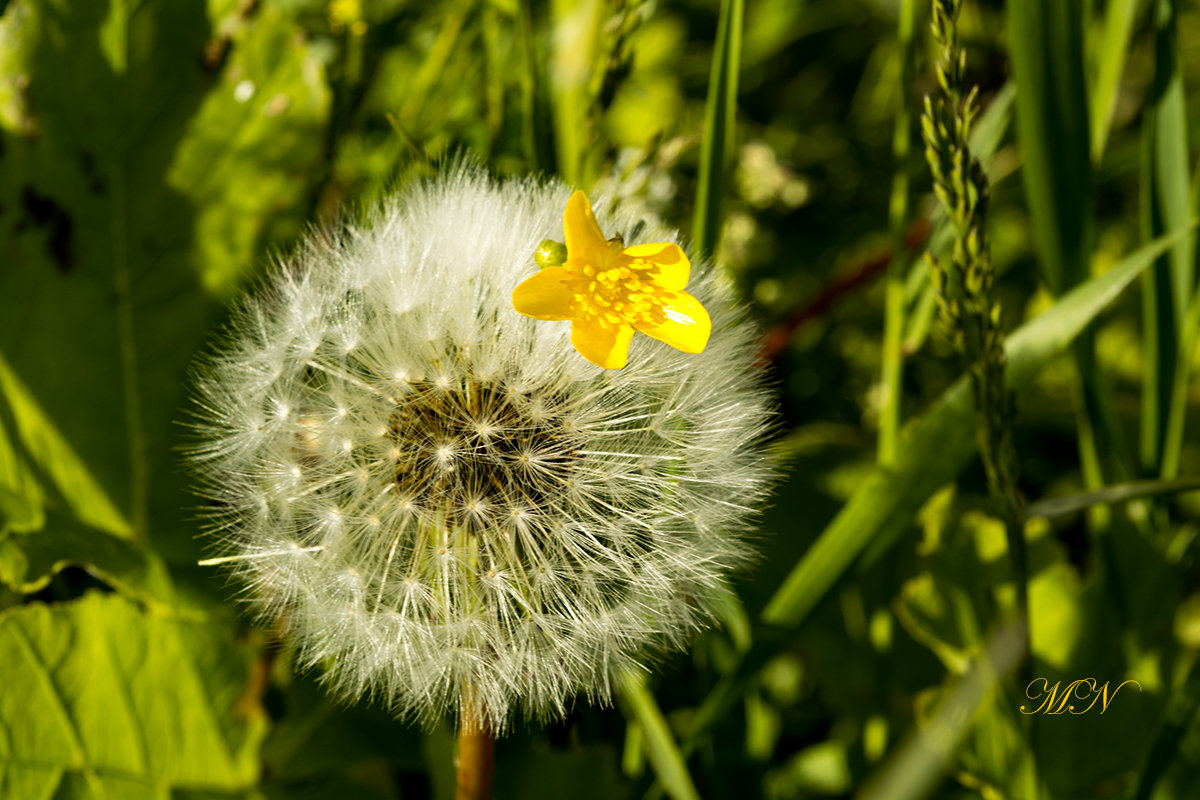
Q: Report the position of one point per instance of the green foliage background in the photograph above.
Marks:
(156, 155)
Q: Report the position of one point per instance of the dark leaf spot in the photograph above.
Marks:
(215, 52)
(216, 49)
(42, 212)
(87, 165)
(70, 583)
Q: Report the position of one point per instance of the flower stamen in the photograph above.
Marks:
(608, 291)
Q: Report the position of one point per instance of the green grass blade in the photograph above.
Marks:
(936, 447)
(638, 704)
(941, 442)
(1046, 48)
(1171, 152)
(1159, 341)
(1167, 205)
(494, 88)
(445, 47)
(576, 27)
(1110, 63)
(633, 753)
(720, 115)
(914, 768)
(1180, 717)
(529, 88)
(1116, 493)
(894, 302)
(1177, 416)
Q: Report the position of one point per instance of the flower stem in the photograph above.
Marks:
(971, 308)
(475, 760)
(965, 281)
(895, 306)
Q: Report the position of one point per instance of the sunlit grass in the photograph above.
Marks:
(156, 158)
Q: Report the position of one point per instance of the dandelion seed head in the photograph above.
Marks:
(440, 502)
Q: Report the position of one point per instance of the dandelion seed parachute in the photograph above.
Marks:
(443, 505)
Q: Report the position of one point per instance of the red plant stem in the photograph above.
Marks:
(777, 336)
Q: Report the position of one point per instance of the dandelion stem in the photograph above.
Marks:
(475, 759)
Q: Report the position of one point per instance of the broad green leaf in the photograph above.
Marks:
(58, 460)
(28, 562)
(101, 699)
(22, 506)
(128, 203)
(248, 152)
(720, 116)
(103, 293)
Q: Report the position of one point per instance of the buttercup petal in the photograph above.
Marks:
(604, 346)
(674, 269)
(544, 295)
(686, 326)
(580, 229)
(586, 290)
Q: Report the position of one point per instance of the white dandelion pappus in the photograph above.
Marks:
(445, 506)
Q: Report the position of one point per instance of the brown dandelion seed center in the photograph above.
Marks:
(482, 455)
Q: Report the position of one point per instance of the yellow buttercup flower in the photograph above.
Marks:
(608, 291)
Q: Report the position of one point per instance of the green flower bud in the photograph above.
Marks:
(550, 254)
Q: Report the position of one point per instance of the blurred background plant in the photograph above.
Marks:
(154, 157)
